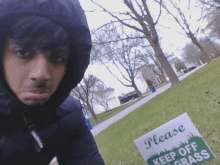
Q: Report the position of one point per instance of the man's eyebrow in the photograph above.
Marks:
(13, 45)
(19, 42)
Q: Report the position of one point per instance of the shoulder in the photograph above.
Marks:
(69, 106)
(71, 118)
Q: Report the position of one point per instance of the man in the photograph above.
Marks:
(45, 48)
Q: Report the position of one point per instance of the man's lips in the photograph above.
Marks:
(39, 91)
(37, 95)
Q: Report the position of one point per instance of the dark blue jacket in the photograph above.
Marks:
(35, 135)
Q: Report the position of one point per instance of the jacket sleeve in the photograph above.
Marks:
(81, 150)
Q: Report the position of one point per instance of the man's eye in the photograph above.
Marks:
(23, 53)
(57, 59)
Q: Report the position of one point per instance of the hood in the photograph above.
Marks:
(67, 14)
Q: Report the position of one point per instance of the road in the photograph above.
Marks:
(105, 124)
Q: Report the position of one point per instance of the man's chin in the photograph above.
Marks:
(31, 102)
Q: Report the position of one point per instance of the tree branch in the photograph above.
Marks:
(209, 4)
(108, 24)
(116, 77)
(158, 15)
(133, 27)
(128, 38)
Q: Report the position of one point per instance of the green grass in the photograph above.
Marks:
(105, 115)
(198, 95)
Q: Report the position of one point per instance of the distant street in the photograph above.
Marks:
(105, 124)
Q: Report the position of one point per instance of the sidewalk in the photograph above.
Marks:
(121, 109)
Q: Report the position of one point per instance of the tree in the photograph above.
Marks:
(191, 54)
(211, 3)
(210, 46)
(84, 93)
(213, 18)
(103, 95)
(121, 54)
(212, 8)
(182, 20)
(140, 13)
(148, 58)
(180, 65)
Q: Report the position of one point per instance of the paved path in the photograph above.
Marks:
(105, 124)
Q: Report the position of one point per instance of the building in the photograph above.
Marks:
(145, 73)
(102, 96)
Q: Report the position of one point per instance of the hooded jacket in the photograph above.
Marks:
(34, 136)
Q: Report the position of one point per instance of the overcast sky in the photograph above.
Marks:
(172, 41)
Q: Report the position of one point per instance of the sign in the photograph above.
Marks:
(177, 142)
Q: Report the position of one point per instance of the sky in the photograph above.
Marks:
(171, 42)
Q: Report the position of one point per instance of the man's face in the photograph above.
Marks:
(34, 75)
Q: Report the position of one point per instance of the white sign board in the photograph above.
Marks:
(177, 142)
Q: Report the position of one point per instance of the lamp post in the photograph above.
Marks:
(210, 41)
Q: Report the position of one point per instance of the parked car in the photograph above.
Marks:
(128, 97)
(189, 69)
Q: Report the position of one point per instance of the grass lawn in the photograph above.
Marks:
(198, 95)
(105, 115)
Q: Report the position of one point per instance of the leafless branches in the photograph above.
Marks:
(144, 23)
(122, 54)
(84, 93)
(183, 22)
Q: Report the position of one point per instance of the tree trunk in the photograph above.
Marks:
(95, 117)
(165, 64)
(162, 76)
(93, 114)
(194, 40)
(106, 107)
(137, 90)
(164, 79)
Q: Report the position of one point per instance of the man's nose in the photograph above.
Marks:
(40, 71)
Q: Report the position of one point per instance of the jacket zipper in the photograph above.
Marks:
(37, 138)
(39, 144)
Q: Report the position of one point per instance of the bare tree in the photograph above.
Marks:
(210, 46)
(183, 21)
(213, 18)
(122, 54)
(103, 95)
(211, 3)
(139, 13)
(84, 93)
(179, 64)
(191, 54)
(148, 58)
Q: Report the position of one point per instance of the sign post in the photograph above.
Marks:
(177, 142)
